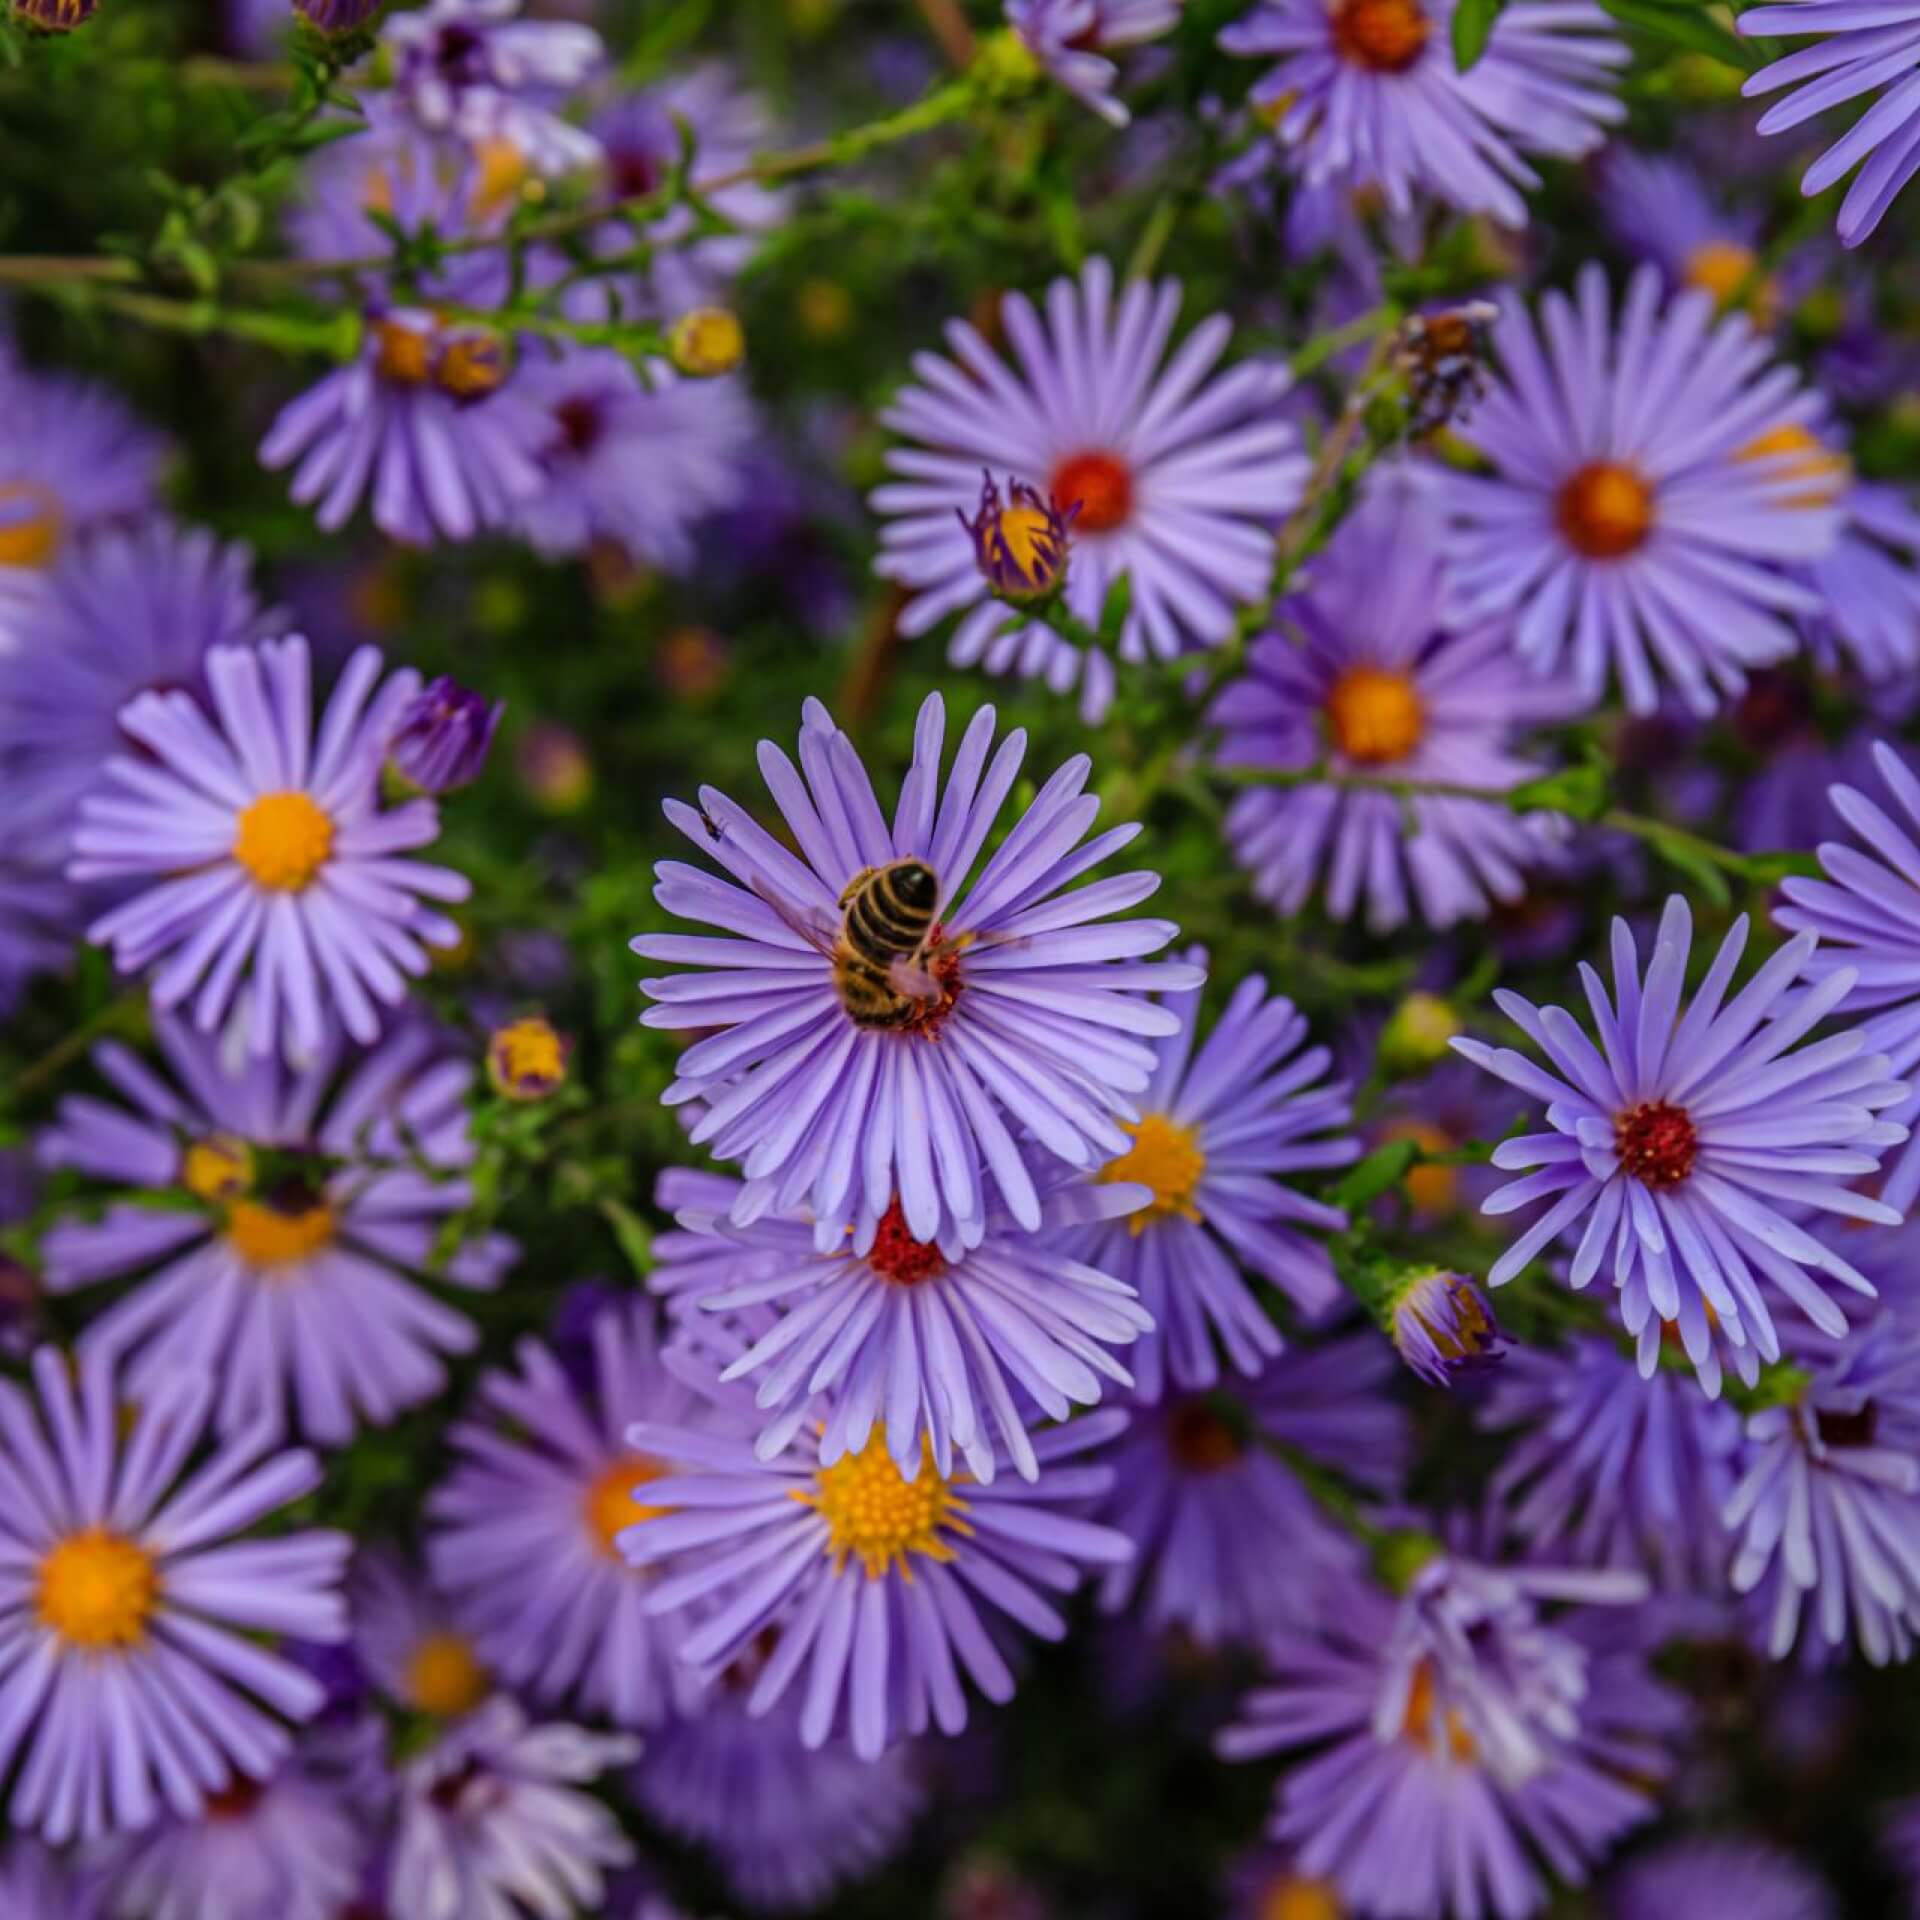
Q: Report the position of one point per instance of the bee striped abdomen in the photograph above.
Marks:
(889, 914)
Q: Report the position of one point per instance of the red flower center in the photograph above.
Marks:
(1384, 36)
(1842, 1430)
(897, 1256)
(1201, 1441)
(1099, 484)
(1656, 1143)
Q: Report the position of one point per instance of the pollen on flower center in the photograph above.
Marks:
(30, 525)
(402, 354)
(1099, 484)
(220, 1167)
(612, 1503)
(1605, 511)
(877, 1517)
(444, 1676)
(897, 1256)
(265, 1236)
(1795, 453)
(1374, 715)
(1201, 1441)
(97, 1590)
(1166, 1157)
(1291, 1898)
(1384, 36)
(1656, 1142)
(283, 840)
(1418, 1725)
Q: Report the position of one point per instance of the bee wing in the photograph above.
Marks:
(815, 927)
(907, 975)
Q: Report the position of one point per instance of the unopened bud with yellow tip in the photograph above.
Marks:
(527, 1060)
(1417, 1034)
(707, 342)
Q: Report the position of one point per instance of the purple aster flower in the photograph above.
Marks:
(1267, 1884)
(1707, 1879)
(288, 1848)
(1677, 1142)
(442, 738)
(1788, 803)
(930, 1340)
(1072, 38)
(495, 1821)
(338, 16)
(409, 1644)
(472, 69)
(1442, 1326)
(1456, 1719)
(624, 460)
(844, 1083)
(138, 1682)
(1179, 485)
(785, 1824)
(275, 882)
(1367, 93)
(1646, 478)
(1866, 911)
(1868, 586)
(301, 1206)
(1384, 686)
(1220, 1134)
(1605, 1469)
(870, 1580)
(1203, 1489)
(1860, 51)
(1827, 1509)
(1661, 209)
(38, 915)
(521, 1533)
(122, 614)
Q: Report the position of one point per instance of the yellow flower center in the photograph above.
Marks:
(825, 309)
(1166, 1157)
(283, 840)
(1722, 268)
(1418, 1725)
(707, 342)
(402, 354)
(1374, 715)
(1605, 511)
(1290, 1898)
(1429, 1189)
(30, 525)
(502, 171)
(1384, 36)
(445, 1677)
(1030, 545)
(877, 1517)
(1801, 455)
(526, 1060)
(217, 1168)
(611, 1503)
(266, 1237)
(97, 1590)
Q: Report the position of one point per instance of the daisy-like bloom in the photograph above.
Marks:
(1605, 1469)
(926, 1341)
(1868, 586)
(1220, 1133)
(1180, 481)
(624, 460)
(442, 738)
(1867, 912)
(1691, 1147)
(301, 1206)
(1024, 1014)
(521, 1534)
(409, 1643)
(1661, 209)
(495, 1821)
(1648, 476)
(1071, 39)
(784, 1824)
(289, 1848)
(1213, 1508)
(1827, 1509)
(1366, 94)
(1442, 1326)
(1788, 803)
(122, 614)
(1708, 1879)
(275, 882)
(474, 69)
(1384, 687)
(870, 1580)
(1859, 52)
(1483, 1739)
(135, 1682)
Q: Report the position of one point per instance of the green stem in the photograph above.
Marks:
(112, 1018)
(334, 335)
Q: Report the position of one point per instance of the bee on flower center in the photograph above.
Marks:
(890, 967)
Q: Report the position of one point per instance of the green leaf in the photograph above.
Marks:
(633, 1233)
(1680, 854)
(1114, 610)
(1382, 1169)
(1472, 28)
(1693, 27)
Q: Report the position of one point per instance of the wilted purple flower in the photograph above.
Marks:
(1605, 1469)
(871, 1580)
(521, 1533)
(130, 1595)
(442, 737)
(1828, 1506)
(1385, 686)
(1677, 1143)
(471, 68)
(785, 1823)
(1017, 1007)
(1367, 93)
(1213, 1508)
(1072, 38)
(274, 882)
(1712, 1879)
(495, 1821)
(1179, 485)
(1020, 548)
(1442, 1326)
(639, 462)
(1648, 476)
(304, 1205)
(1217, 1138)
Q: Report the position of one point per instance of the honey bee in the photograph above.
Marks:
(883, 959)
(1443, 356)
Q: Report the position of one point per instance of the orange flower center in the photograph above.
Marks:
(1291, 1898)
(1374, 715)
(283, 840)
(1384, 36)
(1605, 511)
(444, 1676)
(97, 1590)
(1418, 1725)
(265, 1237)
(1656, 1143)
(1166, 1157)
(613, 1503)
(1100, 484)
(1798, 454)
(30, 525)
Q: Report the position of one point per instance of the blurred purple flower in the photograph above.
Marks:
(1718, 1879)
(443, 736)
(1072, 38)
(1443, 1327)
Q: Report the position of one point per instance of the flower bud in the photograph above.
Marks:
(54, 16)
(707, 342)
(1417, 1034)
(1020, 548)
(1443, 1326)
(337, 16)
(443, 736)
(527, 1060)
